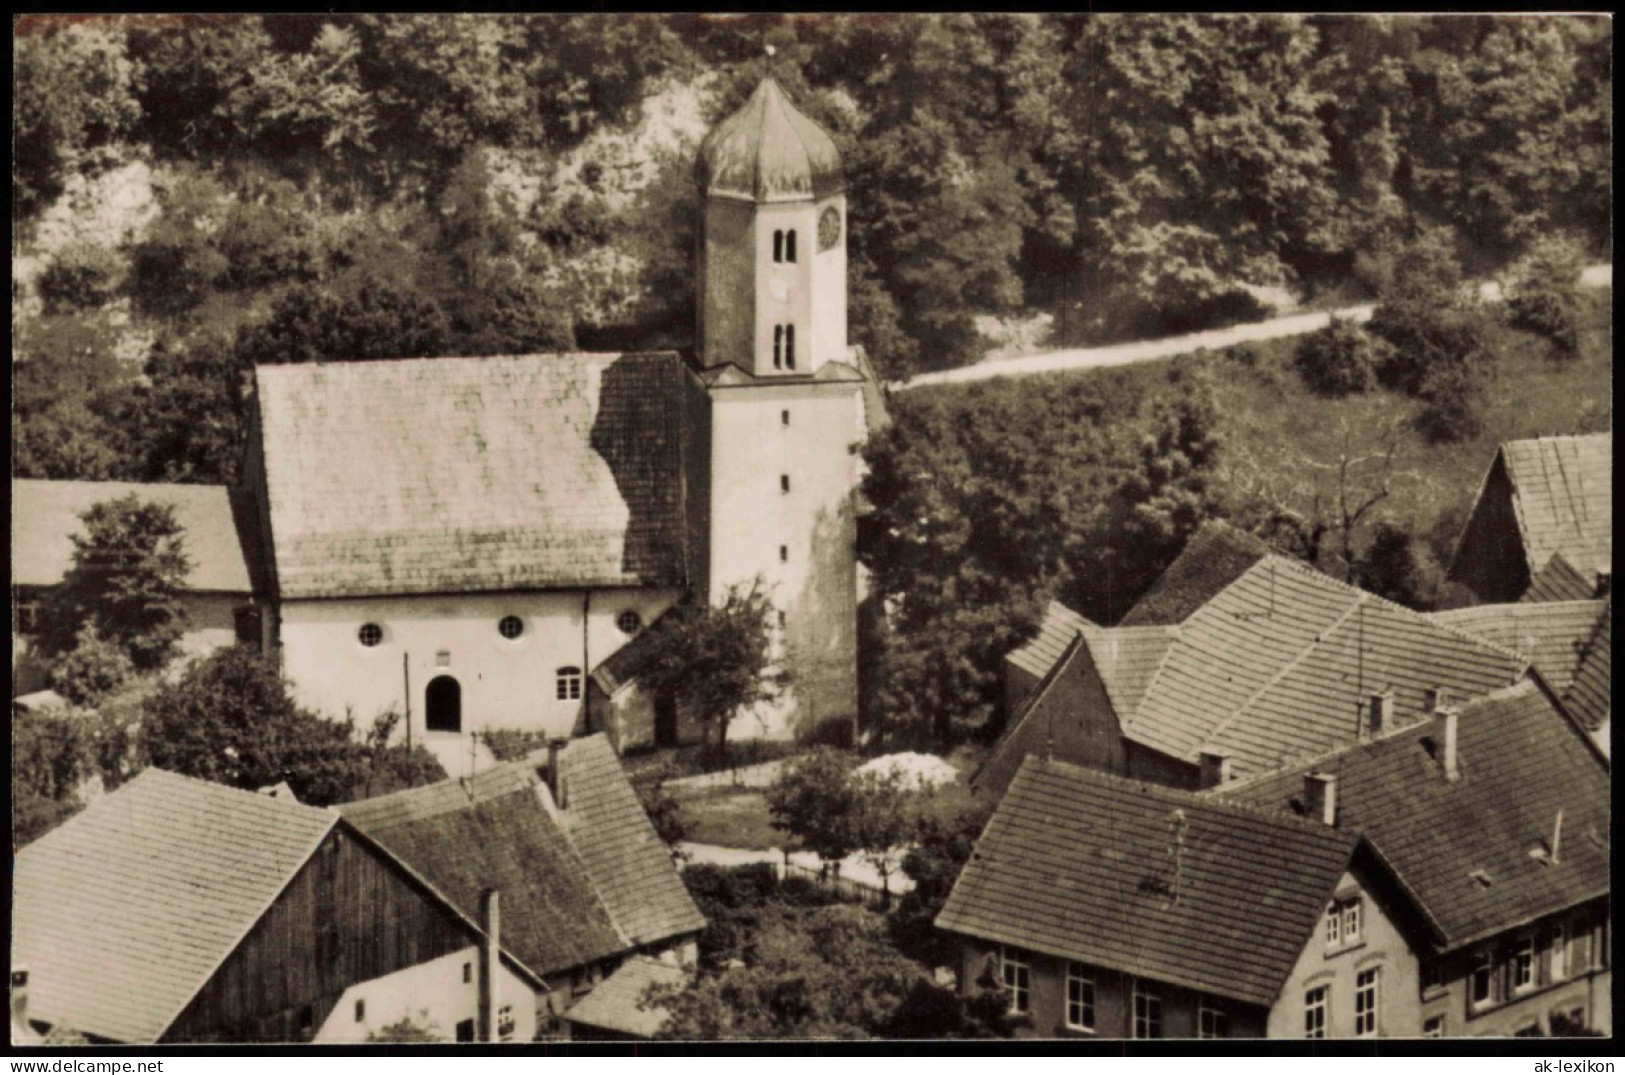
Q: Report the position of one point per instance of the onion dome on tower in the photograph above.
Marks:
(769, 151)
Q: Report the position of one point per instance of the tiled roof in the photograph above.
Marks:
(1078, 864)
(1552, 634)
(124, 912)
(1563, 492)
(493, 830)
(616, 1002)
(1214, 557)
(631, 868)
(1520, 762)
(769, 151)
(45, 514)
(476, 474)
(1589, 699)
(576, 885)
(1055, 633)
(1276, 666)
(1560, 580)
(621, 667)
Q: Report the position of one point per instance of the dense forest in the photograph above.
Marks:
(193, 194)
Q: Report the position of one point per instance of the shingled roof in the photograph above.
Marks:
(617, 1002)
(1274, 666)
(477, 474)
(1554, 635)
(1055, 632)
(46, 514)
(1521, 762)
(1560, 580)
(1588, 699)
(577, 885)
(1563, 491)
(1076, 864)
(1214, 557)
(126, 910)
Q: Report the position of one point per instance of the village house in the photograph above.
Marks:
(1236, 662)
(587, 886)
(218, 594)
(1542, 526)
(1496, 820)
(173, 910)
(1111, 908)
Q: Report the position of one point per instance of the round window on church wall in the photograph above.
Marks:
(511, 627)
(629, 622)
(370, 634)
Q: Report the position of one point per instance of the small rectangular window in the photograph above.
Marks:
(1432, 976)
(1080, 998)
(360, 1010)
(1147, 1010)
(569, 684)
(465, 1030)
(784, 483)
(1433, 1027)
(781, 617)
(1351, 921)
(778, 246)
(468, 972)
(784, 417)
(1211, 1020)
(1523, 965)
(789, 347)
(1315, 1002)
(1343, 921)
(1015, 971)
(784, 554)
(1365, 1004)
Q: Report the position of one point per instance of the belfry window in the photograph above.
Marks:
(778, 347)
(778, 246)
(790, 245)
(789, 347)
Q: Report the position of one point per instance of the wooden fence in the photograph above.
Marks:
(844, 887)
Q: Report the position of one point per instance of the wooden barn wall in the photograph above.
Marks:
(348, 916)
(1490, 558)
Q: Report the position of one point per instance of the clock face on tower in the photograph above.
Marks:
(829, 228)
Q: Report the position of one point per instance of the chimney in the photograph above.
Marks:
(1432, 701)
(555, 779)
(1320, 797)
(1216, 769)
(490, 963)
(1447, 743)
(1381, 713)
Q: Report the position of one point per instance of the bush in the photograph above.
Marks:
(1425, 317)
(1543, 293)
(93, 669)
(1339, 360)
(82, 276)
(1453, 407)
(512, 744)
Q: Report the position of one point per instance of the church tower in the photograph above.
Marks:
(787, 397)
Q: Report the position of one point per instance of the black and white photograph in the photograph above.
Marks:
(915, 530)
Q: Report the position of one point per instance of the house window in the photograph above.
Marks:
(1560, 952)
(1343, 921)
(1315, 1003)
(790, 245)
(1523, 966)
(1080, 998)
(789, 347)
(505, 1023)
(1433, 1027)
(1334, 926)
(784, 483)
(1015, 971)
(360, 1010)
(629, 622)
(468, 972)
(1481, 987)
(1147, 1010)
(370, 635)
(569, 683)
(778, 347)
(1351, 921)
(1365, 1003)
(1580, 956)
(1211, 1020)
(510, 627)
(784, 417)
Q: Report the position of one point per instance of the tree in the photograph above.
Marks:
(714, 661)
(664, 811)
(230, 719)
(128, 571)
(1340, 359)
(91, 670)
(815, 801)
(1429, 318)
(1543, 296)
(884, 810)
(940, 851)
(50, 761)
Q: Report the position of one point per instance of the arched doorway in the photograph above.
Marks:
(443, 705)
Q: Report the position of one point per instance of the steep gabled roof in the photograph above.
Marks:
(1563, 493)
(1214, 557)
(577, 885)
(1055, 632)
(1560, 580)
(616, 1003)
(1521, 762)
(1553, 635)
(1078, 864)
(476, 474)
(125, 911)
(45, 515)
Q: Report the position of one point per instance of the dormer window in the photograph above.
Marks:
(1343, 922)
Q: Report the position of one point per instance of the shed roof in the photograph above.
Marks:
(46, 514)
(1553, 635)
(124, 912)
(1521, 762)
(1563, 493)
(617, 1002)
(769, 151)
(476, 474)
(577, 885)
(1078, 864)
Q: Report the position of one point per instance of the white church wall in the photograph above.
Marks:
(801, 541)
(505, 683)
